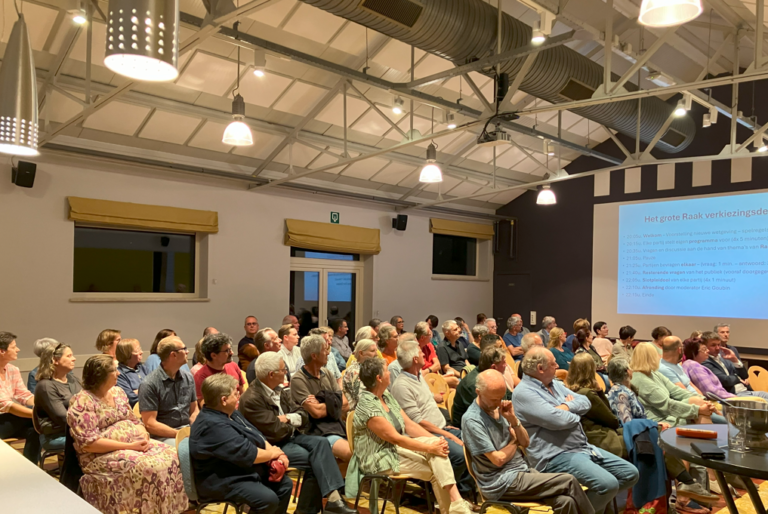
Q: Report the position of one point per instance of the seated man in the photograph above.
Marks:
(722, 362)
(530, 340)
(491, 357)
(333, 354)
(514, 336)
(413, 394)
(552, 416)
(217, 349)
(266, 340)
(669, 365)
(230, 457)
(316, 391)
(246, 348)
(167, 399)
(450, 352)
(494, 436)
(268, 406)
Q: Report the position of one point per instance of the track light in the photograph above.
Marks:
(549, 148)
(76, 9)
(680, 109)
(259, 62)
(667, 13)
(397, 106)
(450, 118)
(760, 145)
(713, 112)
(706, 121)
(18, 94)
(546, 196)
(431, 173)
(537, 36)
(143, 39)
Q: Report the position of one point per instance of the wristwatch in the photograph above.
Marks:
(518, 423)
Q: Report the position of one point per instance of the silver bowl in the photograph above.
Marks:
(747, 424)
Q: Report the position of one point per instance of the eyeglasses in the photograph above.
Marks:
(182, 349)
(251, 324)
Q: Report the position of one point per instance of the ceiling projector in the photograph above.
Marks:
(495, 138)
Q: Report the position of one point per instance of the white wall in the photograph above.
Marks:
(248, 269)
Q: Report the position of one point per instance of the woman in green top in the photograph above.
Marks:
(386, 441)
(563, 356)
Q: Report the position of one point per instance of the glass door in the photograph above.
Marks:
(305, 299)
(341, 298)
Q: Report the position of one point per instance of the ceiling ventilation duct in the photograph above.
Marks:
(465, 30)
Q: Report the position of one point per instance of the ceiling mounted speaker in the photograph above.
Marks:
(143, 39)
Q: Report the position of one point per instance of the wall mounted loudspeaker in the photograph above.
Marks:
(400, 222)
(24, 174)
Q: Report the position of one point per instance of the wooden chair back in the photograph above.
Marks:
(562, 374)
(600, 382)
(758, 378)
(351, 431)
(245, 381)
(438, 385)
(449, 401)
(182, 434)
(136, 410)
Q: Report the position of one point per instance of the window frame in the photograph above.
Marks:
(483, 265)
(143, 296)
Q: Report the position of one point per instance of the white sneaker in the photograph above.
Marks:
(460, 507)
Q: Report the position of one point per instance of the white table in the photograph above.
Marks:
(27, 488)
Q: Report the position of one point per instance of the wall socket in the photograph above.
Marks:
(533, 318)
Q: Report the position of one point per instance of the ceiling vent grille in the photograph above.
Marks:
(404, 12)
(575, 90)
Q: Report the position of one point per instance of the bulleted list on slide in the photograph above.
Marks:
(696, 257)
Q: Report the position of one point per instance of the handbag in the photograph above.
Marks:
(276, 470)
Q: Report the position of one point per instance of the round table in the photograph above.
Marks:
(747, 465)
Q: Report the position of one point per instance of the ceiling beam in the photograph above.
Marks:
(640, 62)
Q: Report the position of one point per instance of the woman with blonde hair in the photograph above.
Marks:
(364, 349)
(107, 340)
(199, 356)
(663, 400)
(132, 371)
(563, 356)
(56, 385)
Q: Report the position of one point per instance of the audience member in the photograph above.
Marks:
(56, 387)
(563, 356)
(481, 318)
(669, 365)
(494, 437)
(340, 340)
(696, 334)
(658, 334)
(514, 336)
(107, 340)
(246, 348)
(579, 324)
(388, 342)
(529, 341)
(696, 354)
(583, 344)
(398, 323)
(394, 367)
(124, 470)
(290, 352)
(153, 361)
(623, 348)
(414, 397)
(316, 391)
(268, 406)
(450, 352)
(364, 349)
(367, 332)
(490, 323)
(387, 441)
(663, 401)
(547, 324)
(491, 357)
(217, 349)
(266, 340)
(724, 331)
(424, 336)
(473, 349)
(602, 345)
(167, 398)
(196, 356)
(232, 460)
(292, 320)
(333, 354)
(434, 326)
(37, 349)
(131, 371)
(16, 401)
(551, 414)
(199, 356)
(374, 324)
(722, 362)
(464, 334)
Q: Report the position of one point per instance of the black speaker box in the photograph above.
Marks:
(400, 222)
(24, 174)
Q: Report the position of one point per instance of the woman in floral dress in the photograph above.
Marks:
(125, 471)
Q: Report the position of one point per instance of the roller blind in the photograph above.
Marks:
(136, 215)
(460, 228)
(330, 237)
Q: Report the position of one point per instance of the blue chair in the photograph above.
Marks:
(188, 477)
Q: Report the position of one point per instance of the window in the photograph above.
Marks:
(130, 261)
(334, 256)
(454, 255)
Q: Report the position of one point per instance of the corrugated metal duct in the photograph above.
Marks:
(464, 30)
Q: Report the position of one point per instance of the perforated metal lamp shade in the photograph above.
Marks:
(238, 133)
(667, 13)
(143, 39)
(431, 172)
(18, 95)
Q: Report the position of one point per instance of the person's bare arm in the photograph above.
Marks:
(384, 430)
(315, 409)
(267, 454)
(154, 427)
(21, 411)
(514, 351)
(432, 429)
(501, 457)
(104, 445)
(435, 367)
(193, 412)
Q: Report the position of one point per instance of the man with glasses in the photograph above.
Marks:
(246, 348)
(217, 349)
(167, 398)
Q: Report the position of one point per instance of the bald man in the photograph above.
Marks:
(494, 437)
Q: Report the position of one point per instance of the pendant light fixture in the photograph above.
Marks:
(259, 62)
(546, 196)
(18, 94)
(668, 13)
(238, 133)
(431, 172)
(143, 39)
(397, 105)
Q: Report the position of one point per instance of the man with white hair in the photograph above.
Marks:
(424, 336)
(514, 337)
(494, 436)
(551, 414)
(547, 324)
(269, 407)
(473, 349)
(450, 352)
(266, 340)
(724, 331)
(412, 393)
(490, 323)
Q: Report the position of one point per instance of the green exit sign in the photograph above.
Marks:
(335, 217)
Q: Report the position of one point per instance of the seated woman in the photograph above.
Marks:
(231, 458)
(153, 361)
(563, 356)
(626, 407)
(16, 401)
(130, 369)
(663, 400)
(386, 441)
(695, 351)
(600, 424)
(55, 388)
(582, 343)
(364, 349)
(124, 471)
(199, 357)
(107, 340)
(37, 348)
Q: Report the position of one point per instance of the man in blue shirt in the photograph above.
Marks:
(493, 435)
(514, 337)
(552, 416)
